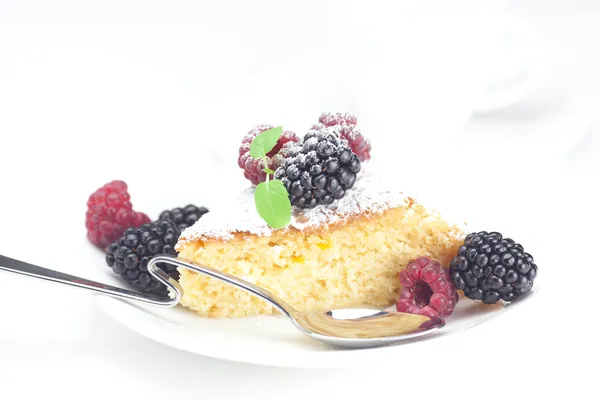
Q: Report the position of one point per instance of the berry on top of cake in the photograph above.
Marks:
(254, 168)
(319, 171)
(345, 126)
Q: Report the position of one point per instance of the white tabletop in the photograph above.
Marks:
(54, 341)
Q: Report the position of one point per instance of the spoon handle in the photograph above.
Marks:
(23, 268)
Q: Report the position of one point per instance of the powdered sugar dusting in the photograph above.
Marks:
(369, 195)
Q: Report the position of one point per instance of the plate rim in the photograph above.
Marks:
(117, 309)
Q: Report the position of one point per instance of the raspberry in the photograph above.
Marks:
(110, 213)
(344, 124)
(332, 119)
(359, 145)
(489, 268)
(254, 168)
(427, 289)
(129, 255)
(319, 170)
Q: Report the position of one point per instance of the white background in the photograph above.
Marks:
(55, 341)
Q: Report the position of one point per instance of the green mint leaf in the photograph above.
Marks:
(273, 203)
(264, 142)
(268, 170)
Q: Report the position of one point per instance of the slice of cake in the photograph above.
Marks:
(344, 254)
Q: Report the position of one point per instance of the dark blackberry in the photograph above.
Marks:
(489, 268)
(320, 171)
(184, 217)
(129, 255)
(344, 124)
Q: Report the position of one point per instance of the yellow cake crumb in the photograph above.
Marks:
(347, 264)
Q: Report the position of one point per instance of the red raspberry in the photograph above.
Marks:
(332, 119)
(359, 145)
(344, 125)
(427, 289)
(254, 168)
(110, 213)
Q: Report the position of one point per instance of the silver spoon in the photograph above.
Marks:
(366, 327)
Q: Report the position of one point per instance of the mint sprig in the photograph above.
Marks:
(271, 197)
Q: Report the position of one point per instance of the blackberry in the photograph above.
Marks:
(319, 170)
(356, 141)
(184, 217)
(129, 255)
(344, 124)
(491, 268)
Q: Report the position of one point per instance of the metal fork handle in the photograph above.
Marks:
(23, 268)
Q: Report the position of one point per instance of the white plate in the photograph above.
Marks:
(269, 340)
(272, 340)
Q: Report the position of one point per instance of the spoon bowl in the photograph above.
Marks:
(382, 328)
